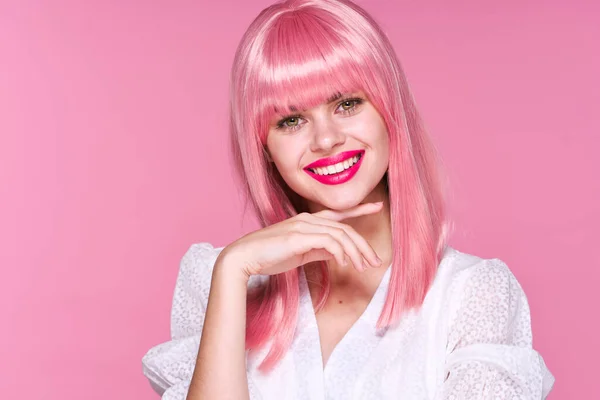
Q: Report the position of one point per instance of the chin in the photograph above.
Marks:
(341, 205)
(338, 198)
(341, 201)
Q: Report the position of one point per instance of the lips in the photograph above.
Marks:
(325, 162)
(337, 177)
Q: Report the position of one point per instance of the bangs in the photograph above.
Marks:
(304, 60)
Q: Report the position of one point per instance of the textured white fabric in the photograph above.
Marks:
(471, 339)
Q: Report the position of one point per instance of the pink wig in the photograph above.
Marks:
(300, 52)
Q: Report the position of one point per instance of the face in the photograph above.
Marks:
(334, 155)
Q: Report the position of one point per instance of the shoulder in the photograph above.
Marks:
(199, 259)
(192, 289)
(196, 268)
(464, 269)
(486, 301)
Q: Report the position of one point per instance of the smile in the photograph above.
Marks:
(337, 169)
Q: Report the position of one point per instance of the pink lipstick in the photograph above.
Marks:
(336, 169)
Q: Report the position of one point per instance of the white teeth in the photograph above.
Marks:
(336, 168)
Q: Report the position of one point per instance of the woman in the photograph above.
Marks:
(349, 291)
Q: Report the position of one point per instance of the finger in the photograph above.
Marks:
(361, 209)
(302, 243)
(361, 243)
(349, 246)
(316, 255)
(368, 263)
(365, 248)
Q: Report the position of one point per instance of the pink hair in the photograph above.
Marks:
(300, 52)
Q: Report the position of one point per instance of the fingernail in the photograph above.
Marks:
(378, 203)
(379, 260)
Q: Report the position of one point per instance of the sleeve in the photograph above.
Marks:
(169, 366)
(489, 353)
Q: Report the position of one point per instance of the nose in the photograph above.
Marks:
(326, 136)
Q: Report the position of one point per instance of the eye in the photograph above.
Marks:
(290, 122)
(294, 122)
(348, 106)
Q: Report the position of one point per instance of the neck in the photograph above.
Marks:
(377, 231)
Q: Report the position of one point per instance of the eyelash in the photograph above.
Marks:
(356, 100)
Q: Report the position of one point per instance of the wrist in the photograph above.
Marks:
(231, 267)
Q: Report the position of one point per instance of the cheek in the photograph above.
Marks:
(290, 172)
(377, 137)
(373, 131)
(286, 158)
(381, 127)
(380, 132)
(285, 168)
(384, 139)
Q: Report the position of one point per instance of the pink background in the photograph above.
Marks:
(113, 152)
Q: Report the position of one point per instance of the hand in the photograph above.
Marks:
(302, 239)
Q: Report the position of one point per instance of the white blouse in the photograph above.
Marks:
(471, 339)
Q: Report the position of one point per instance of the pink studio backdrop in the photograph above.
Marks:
(114, 159)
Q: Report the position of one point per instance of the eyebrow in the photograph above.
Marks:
(334, 97)
(331, 99)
